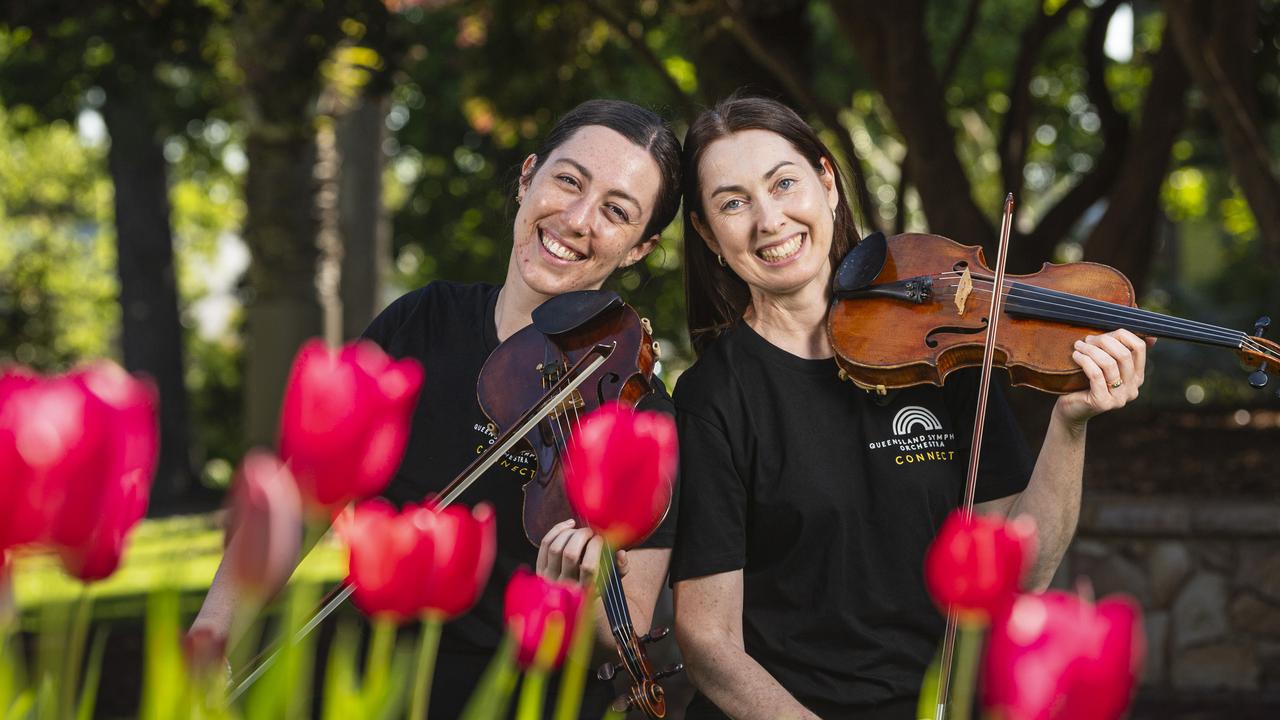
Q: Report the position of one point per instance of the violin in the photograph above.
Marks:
(583, 349)
(911, 309)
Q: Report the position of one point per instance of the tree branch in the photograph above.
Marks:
(637, 42)
(961, 41)
(1012, 147)
(1059, 219)
(1208, 49)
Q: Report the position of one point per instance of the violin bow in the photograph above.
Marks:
(975, 447)
(557, 394)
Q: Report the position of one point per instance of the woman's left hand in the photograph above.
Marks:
(1114, 363)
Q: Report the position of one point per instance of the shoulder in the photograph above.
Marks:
(711, 380)
(426, 305)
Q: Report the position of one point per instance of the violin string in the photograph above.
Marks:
(1187, 331)
(1131, 318)
(1020, 294)
(1024, 290)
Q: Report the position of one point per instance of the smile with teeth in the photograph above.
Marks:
(782, 250)
(559, 250)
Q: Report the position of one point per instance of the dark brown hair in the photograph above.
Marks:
(715, 298)
(643, 127)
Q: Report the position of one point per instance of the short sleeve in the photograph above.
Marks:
(713, 503)
(1005, 464)
(665, 535)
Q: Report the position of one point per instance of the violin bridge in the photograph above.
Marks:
(963, 289)
(570, 405)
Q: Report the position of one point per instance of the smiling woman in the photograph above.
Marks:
(806, 504)
(593, 198)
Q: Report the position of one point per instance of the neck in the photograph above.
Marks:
(795, 321)
(516, 302)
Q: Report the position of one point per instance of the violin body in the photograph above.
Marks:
(903, 316)
(527, 364)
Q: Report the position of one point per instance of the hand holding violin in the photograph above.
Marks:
(569, 553)
(1115, 364)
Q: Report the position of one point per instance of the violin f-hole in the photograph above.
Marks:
(610, 378)
(959, 329)
(960, 266)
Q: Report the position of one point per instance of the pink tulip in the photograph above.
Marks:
(78, 452)
(464, 546)
(345, 420)
(976, 564)
(1056, 656)
(266, 528)
(530, 602)
(619, 472)
(420, 560)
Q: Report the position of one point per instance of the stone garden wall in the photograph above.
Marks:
(1206, 571)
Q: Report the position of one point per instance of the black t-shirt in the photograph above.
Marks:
(450, 329)
(826, 497)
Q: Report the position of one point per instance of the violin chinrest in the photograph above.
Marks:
(862, 265)
(572, 310)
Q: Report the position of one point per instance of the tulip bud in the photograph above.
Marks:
(345, 420)
(1057, 656)
(531, 602)
(420, 560)
(79, 453)
(265, 536)
(619, 472)
(976, 563)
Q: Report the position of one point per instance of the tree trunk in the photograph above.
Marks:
(279, 48)
(891, 42)
(1125, 237)
(151, 334)
(364, 228)
(1215, 41)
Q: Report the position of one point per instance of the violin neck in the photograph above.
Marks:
(614, 598)
(1037, 302)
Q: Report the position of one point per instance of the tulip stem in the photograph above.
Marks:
(968, 646)
(379, 660)
(573, 679)
(532, 692)
(74, 650)
(429, 644)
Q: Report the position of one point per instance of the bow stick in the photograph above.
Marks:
(975, 447)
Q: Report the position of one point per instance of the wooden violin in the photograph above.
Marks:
(583, 349)
(912, 308)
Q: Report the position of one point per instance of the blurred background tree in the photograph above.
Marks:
(307, 161)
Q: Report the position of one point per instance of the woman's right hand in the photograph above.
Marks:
(569, 553)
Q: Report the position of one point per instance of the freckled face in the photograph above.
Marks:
(767, 211)
(582, 214)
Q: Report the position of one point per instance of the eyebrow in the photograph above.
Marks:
(739, 188)
(587, 174)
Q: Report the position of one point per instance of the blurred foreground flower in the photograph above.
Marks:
(265, 536)
(976, 563)
(1058, 656)
(619, 472)
(345, 420)
(421, 560)
(77, 459)
(535, 606)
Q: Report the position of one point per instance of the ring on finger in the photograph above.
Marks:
(1116, 384)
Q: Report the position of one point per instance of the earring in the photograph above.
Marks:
(722, 262)
(833, 214)
(518, 198)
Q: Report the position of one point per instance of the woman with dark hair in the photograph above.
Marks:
(595, 197)
(804, 513)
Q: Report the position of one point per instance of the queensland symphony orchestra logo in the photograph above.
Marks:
(918, 436)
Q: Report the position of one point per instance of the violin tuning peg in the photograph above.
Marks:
(672, 670)
(608, 670)
(1258, 379)
(1261, 324)
(655, 634)
(622, 703)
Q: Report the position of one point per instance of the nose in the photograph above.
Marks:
(576, 216)
(769, 216)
